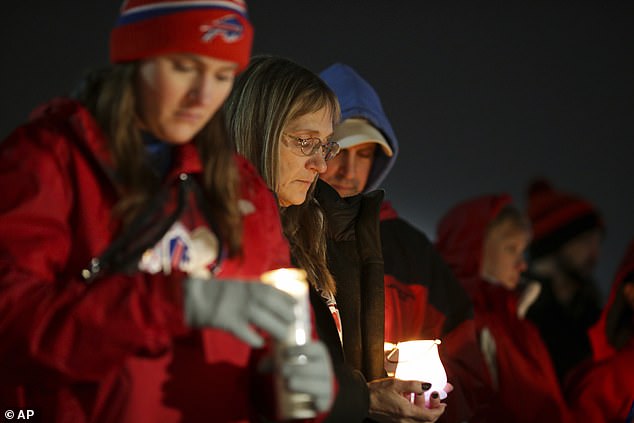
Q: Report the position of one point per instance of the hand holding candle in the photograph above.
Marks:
(419, 360)
(303, 371)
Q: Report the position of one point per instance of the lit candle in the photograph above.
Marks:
(293, 282)
(419, 360)
(292, 405)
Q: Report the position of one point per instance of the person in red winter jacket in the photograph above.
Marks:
(603, 392)
(133, 238)
(483, 240)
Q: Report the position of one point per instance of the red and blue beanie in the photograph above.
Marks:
(147, 28)
(557, 217)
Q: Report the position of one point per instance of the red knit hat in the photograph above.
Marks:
(147, 28)
(557, 217)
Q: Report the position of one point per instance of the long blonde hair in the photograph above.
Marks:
(270, 93)
(110, 96)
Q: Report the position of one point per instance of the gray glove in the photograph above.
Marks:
(234, 305)
(308, 369)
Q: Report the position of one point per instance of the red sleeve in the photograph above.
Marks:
(603, 391)
(263, 240)
(264, 236)
(48, 317)
(466, 371)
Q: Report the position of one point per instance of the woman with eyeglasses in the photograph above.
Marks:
(281, 117)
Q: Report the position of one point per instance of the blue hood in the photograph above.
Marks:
(358, 99)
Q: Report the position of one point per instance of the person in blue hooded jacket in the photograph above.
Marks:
(423, 299)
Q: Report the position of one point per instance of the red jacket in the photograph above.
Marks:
(601, 347)
(423, 300)
(603, 392)
(522, 374)
(116, 349)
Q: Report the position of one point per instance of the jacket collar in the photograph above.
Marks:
(89, 136)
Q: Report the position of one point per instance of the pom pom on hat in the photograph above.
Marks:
(147, 28)
(557, 217)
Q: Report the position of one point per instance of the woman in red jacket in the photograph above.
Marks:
(483, 240)
(130, 231)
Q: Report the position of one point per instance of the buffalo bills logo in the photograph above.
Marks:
(227, 27)
(194, 253)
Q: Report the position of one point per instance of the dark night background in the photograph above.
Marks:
(483, 96)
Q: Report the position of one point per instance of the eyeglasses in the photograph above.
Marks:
(309, 146)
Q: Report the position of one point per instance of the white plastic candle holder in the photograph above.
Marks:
(419, 360)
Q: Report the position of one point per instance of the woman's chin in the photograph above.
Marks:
(296, 200)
